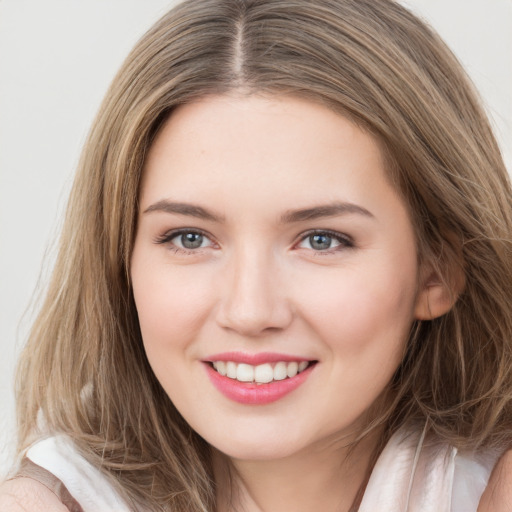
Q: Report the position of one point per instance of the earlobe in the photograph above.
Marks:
(436, 296)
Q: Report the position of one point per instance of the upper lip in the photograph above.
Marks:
(255, 359)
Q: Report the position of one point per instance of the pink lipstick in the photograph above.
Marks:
(257, 379)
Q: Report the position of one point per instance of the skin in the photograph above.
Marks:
(498, 494)
(256, 284)
(27, 495)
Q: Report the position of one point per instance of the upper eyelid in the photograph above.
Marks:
(346, 242)
(169, 235)
(172, 233)
(329, 232)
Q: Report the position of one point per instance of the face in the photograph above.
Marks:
(274, 272)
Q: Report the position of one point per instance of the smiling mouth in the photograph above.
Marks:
(262, 373)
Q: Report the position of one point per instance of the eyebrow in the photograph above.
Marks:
(191, 210)
(328, 210)
(290, 216)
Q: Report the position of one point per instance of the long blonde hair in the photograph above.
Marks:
(84, 369)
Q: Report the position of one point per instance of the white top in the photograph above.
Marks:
(84, 482)
(410, 475)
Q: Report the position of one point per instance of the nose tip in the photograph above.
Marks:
(253, 319)
(253, 302)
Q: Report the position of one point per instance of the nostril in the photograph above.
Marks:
(254, 318)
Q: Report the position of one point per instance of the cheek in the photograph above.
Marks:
(363, 310)
(171, 306)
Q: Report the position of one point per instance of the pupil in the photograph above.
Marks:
(320, 242)
(192, 240)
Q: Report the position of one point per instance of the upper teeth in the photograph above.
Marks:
(262, 373)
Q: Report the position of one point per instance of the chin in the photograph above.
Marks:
(259, 443)
(273, 442)
(259, 451)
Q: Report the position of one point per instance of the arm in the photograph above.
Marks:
(28, 495)
(498, 494)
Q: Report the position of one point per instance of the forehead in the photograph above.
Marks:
(286, 142)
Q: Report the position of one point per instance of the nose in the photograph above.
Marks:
(253, 299)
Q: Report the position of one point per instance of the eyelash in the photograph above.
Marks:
(345, 241)
(167, 237)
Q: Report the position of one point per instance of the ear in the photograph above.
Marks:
(436, 296)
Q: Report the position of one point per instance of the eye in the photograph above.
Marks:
(187, 240)
(325, 241)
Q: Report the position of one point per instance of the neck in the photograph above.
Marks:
(327, 477)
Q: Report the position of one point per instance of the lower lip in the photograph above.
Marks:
(251, 393)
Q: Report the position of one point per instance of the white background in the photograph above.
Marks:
(57, 58)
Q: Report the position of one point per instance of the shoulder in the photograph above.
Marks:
(28, 495)
(497, 497)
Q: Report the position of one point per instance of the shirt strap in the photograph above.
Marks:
(29, 469)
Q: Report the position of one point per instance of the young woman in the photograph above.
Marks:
(284, 279)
